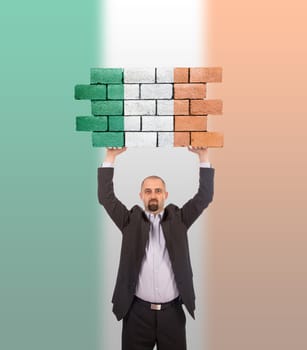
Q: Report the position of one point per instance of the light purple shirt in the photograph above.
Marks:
(156, 282)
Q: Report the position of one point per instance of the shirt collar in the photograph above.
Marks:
(160, 215)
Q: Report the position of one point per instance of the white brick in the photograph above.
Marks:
(139, 75)
(131, 91)
(155, 91)
(132, 123)
(165, 107)
(165, 139)
(157, 123)
(139, 107)
(165, 75)
(140, 139)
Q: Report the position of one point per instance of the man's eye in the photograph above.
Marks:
(158, 190)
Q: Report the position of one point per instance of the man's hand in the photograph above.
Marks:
(203, 153)
(112, 153)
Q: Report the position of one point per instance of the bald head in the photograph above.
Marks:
(153, 177)
(153, 193)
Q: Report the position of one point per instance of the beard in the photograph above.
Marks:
(153, 205)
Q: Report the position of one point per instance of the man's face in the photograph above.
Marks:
(153, 195)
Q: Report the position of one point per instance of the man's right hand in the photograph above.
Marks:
(112, 153)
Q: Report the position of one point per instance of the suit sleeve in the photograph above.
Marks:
(192, 209)
(114, 207)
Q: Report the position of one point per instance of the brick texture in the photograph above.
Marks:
(206, 75)
(115, 92)
(150, 107)
(189, 91)
(190, 123)
(181, 139)
(90, 92)
(108, 139)
(207, 139)
(202, 107)
(181, 75)
(181, 107)
(106, 76)
(107, 107)
(91, 123)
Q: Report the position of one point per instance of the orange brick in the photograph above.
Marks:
(207, 139)
(181, 75)
(206, 75)
(203, 107)
(190, 123)
(181, 107)
(191, 91)
(181, 139)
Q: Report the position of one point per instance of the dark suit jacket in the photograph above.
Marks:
(134, 226)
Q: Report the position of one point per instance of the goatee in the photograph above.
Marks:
(153, 206)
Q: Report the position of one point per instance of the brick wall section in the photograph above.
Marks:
(191, 106)
(150, 107)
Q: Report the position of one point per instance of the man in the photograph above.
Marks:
(155, 275)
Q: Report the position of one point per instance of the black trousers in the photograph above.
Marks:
(144, 328)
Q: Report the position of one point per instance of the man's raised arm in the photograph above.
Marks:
(114, 207)
(195, 206)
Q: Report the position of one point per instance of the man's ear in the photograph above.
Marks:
(140, 194)
(166, 195)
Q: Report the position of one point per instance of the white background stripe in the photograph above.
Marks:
(164, 33)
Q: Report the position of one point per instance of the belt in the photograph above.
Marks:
(157, 306)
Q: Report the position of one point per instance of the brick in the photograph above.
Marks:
(139, 107)
(165, 139)
(139, 75)
(189, 91)
(156, 91)
(190, 123)
(181, 75)
(206, 75)
(140, 139)
(115, 92)
(165, 75)
(132, 123)
(90, 92)
(131, 91)
(108, 139)
(207, 139)
(106, 75)
(165, 107)
(203, 107)
(91, 123)
(181, 139)
(107, 107)
(164, 123)
(116, 123)
(181, 107)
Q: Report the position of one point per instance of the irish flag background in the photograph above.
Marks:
(58, 249)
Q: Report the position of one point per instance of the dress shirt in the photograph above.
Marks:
(156, 281)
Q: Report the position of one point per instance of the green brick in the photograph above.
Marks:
(90, 92)
(91, 123)
(107, 107)
(108, 139)
(115, 92)
(116, 123)
(106, 75)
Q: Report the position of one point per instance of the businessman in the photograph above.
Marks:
(155, 275)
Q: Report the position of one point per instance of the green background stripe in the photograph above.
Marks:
(49, 249)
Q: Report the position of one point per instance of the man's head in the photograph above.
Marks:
(153, 194)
